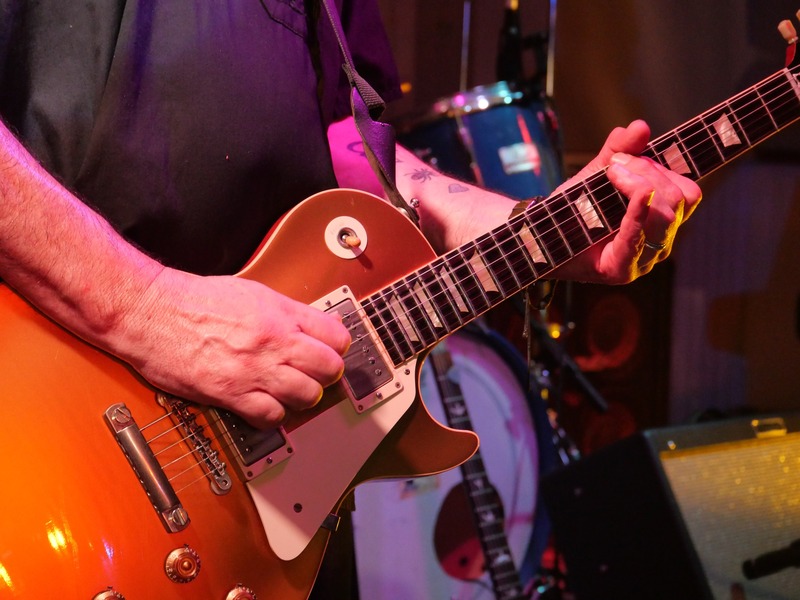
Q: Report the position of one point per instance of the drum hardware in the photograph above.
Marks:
(549, 364)
(512, 47)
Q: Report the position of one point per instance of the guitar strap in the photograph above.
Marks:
(378, 137)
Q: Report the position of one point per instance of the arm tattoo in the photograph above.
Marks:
(422, 175)
(357, 147)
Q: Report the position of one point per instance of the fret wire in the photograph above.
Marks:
(738, 120)
(518, 246)
(492, 268)
(774, 102)
(459, 285)
(531, 225)
(400, 319)
(500, 268)
(472, 276)
(557, 227)
(504, 229)
(443, 304)
(420, 319)
(710, 134)
(766, 108)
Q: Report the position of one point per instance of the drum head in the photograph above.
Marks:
(417, 538)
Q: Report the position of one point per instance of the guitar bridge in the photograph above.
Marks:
(156, 484)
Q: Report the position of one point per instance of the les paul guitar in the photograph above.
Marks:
(114, 490)
(485, 503)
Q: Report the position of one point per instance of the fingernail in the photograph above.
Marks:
(621, 158)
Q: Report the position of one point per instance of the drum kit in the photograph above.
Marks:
(503, 136)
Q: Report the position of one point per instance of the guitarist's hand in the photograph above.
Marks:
(660, 201)
(234, 343)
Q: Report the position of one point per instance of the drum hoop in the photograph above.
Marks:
(548, 454)
(474, 100)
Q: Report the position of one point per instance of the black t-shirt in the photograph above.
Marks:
(191, 126)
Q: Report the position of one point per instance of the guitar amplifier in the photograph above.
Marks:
(684, 512)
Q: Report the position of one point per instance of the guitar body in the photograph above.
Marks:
(76, 522)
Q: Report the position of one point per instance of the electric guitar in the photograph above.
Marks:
(476, 490)
(112, 489)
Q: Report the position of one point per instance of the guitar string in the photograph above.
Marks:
(758, 106)
(713, 148)
(188, 438)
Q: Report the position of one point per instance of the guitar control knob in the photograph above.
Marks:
(108, 594)
(241, 592)
(182, 565)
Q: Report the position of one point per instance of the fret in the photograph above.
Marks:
(418, 311)
(442, 273)
(711, 141)
(548, 237)
(517, 255)
(501, 268)
(428, 304)
(489, 516)
(479, 486)
(753, 116)
(485, 499)
(565, 252)
(476, 472)
(481, 271)
(571, 223)
(387, 328)
(500, 556)
(781, 94)
(670, 153)
(468, 280)
(446, 308)
(533, 247)
(402, 317)
(609, 202)
(592, 220)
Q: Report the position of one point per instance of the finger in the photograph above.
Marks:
(620, 257)
(260, 410)
(294, 389)
(692, 194)
(631, 139)
(315, 359)
(667, 203)
(327, 328)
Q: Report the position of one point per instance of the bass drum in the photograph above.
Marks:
(495, 135)
(417, 538)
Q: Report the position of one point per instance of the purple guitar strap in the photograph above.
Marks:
(378, 137)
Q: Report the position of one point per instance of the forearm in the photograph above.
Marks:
(452, 212)
(61, 255)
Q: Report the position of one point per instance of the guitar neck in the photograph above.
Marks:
(484, 499)
(416, 312)
(731, 128)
